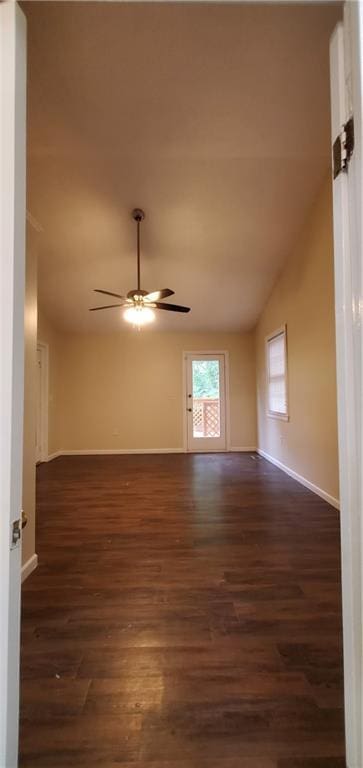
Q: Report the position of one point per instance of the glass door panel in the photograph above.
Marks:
(206, 398)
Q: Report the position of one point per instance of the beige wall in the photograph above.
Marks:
(303, 298)
(47, 334)
(125, 390)
(30, 338)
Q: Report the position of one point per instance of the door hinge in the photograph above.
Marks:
(15, 533)
(343, 148)
(16, 529)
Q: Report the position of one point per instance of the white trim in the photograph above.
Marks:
(122, 451)
(54, 455)
(12, 279)
(29, 567)
(219, 2)
(115, 451)
(185, 402)
(34, 222)
(346, 67)
(227, 400)
(225, 353)
(43, 348)
(300, 479)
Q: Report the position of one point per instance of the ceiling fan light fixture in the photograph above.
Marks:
(139, 315)
(138, 303)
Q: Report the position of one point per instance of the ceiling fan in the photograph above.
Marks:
(138, 303)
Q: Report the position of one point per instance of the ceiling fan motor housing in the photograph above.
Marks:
(136, 294)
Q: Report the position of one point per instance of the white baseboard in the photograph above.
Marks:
(29, 567)
(122, 451)
(118, 451)
(314, 488)
(54, 455)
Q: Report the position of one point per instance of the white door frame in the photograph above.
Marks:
(346, 99)
(225, 353)
(44, 385)
(12, 297)
(12, 229)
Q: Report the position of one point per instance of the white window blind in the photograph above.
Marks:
(276, 364)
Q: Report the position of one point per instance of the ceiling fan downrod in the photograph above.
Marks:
(138, 215)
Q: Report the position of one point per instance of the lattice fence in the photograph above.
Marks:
(206, 417)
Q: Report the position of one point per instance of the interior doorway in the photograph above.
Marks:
(206, 401)
(15, 506)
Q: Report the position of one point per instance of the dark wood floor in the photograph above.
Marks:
(185, 614)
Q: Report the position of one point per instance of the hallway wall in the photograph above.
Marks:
(303, 298)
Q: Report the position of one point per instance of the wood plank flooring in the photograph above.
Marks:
(185, 614)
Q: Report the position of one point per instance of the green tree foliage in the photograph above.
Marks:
(206, 378)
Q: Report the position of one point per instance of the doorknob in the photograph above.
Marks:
(24, 519)
(189, 409)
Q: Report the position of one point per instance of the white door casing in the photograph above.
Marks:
(38, 433)
(349, 340)
(12, 279)
(197, 439)
(346, 100)
(41, 441)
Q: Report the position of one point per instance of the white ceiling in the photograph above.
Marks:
(213, 118)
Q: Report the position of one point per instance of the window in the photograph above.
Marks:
(277, 374)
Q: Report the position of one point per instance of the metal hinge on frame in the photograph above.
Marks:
(343, 148)
(16, 529)
(15, 533)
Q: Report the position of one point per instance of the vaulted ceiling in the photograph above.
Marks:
(212, 117)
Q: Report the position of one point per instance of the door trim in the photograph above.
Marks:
(225, 353)
(346, 64)
(12, 293)
(44, 384)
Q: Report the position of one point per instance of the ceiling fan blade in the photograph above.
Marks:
(108, 306)
(108, 293)
(171, 307)
(157, 295)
